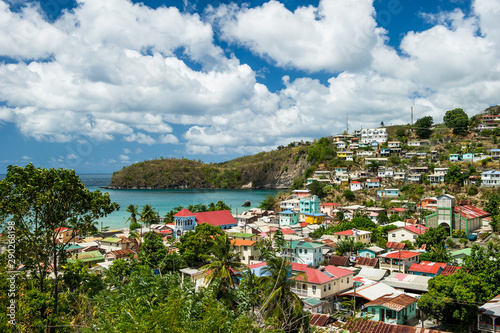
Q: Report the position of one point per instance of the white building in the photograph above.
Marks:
(377, 134)
(490, 178)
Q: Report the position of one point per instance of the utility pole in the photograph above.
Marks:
(347, 123)
(411, 116)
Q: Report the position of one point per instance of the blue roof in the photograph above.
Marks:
(491, 172)
(288, 211)
(495, 150)
(314, 214)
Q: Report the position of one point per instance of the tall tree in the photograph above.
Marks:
(423, 127)
(222, 264)
(132, 220)
(148, 215)
(432, 237)
(454, 299)
(282, 308)
(269, 203)
(41, 203)
(457, 120)
(193, 246)
(454, 175)
(153, 252)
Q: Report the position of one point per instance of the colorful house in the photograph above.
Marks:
(356, 186)
(455, 157)
(309, 253)
(388, 192)
(406, 233)
(314, 218)
(372, 183)
(309, 206)
(247, 250)
(357, 235)
(398, 261)
(90, 258)
(393, 309)
(322, 284)
(289, 217)
(427, 268)
(185, 220)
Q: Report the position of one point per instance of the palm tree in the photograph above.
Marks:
(148, 215)
(282, 307)
(134, 211)
(223, 262)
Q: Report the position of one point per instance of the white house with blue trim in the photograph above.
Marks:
(388, 192)
(490, 178)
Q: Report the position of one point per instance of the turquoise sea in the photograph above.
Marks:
(164, 200)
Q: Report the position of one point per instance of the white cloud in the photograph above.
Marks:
(335, 36)
(124, 158)
(26, 157)
(140, 138)
(110, 71)
(168, 138)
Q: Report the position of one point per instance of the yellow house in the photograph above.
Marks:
(313, 218)
(246, 250)
(323, 284)
(357, 235)
(341, 154)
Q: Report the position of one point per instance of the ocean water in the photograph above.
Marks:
(165, 200)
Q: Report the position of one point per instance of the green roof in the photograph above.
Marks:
(73, 247)
(303, 244)
(87, 256)
(111, 240)
(312, 301)
(242, 234)
(461, 252)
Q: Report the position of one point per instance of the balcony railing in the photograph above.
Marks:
(299, 291)
(486, 327)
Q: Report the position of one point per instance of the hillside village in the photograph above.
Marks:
(362, 237)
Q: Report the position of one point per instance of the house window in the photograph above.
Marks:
(314, 289)
(245, 248)
(393, 235)
(329, 286)
(300, 250)
(305, 251)
(347, 280)
(324, 287)
(414, 236)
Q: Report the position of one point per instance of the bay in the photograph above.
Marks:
(165, 200)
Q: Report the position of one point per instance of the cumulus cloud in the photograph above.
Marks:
(335, 36)
(114, 70)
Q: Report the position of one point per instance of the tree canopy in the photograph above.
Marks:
(457, 120)
(423, 127)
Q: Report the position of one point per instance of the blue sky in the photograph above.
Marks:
(97, 85)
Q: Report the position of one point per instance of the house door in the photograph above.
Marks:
(382, 315)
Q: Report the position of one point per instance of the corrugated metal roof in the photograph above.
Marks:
(470, 212)
(88, 256)
(396, 303)
(373, 291)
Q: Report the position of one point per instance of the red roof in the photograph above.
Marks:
(416, 229)
(345, 232)
(314, 276)
(330, 204)
(401, 254)
(427, 267)
(260, 264)
(395, 245)
(287, 231)
(470, 212)
(216, 218)
(398, 209)
(62, 229)
(166, 231)
(299, 267)
(338, 272)
(448, 270)
(355, 182)
(303, 224)
(184, 212)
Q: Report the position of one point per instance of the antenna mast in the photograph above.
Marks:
(412, 116)
(347, 123)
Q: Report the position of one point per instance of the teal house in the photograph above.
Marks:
(371, 252)
(398, 310)
(289, 217)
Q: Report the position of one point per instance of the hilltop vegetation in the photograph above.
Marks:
(289, 166)
(275, 169)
